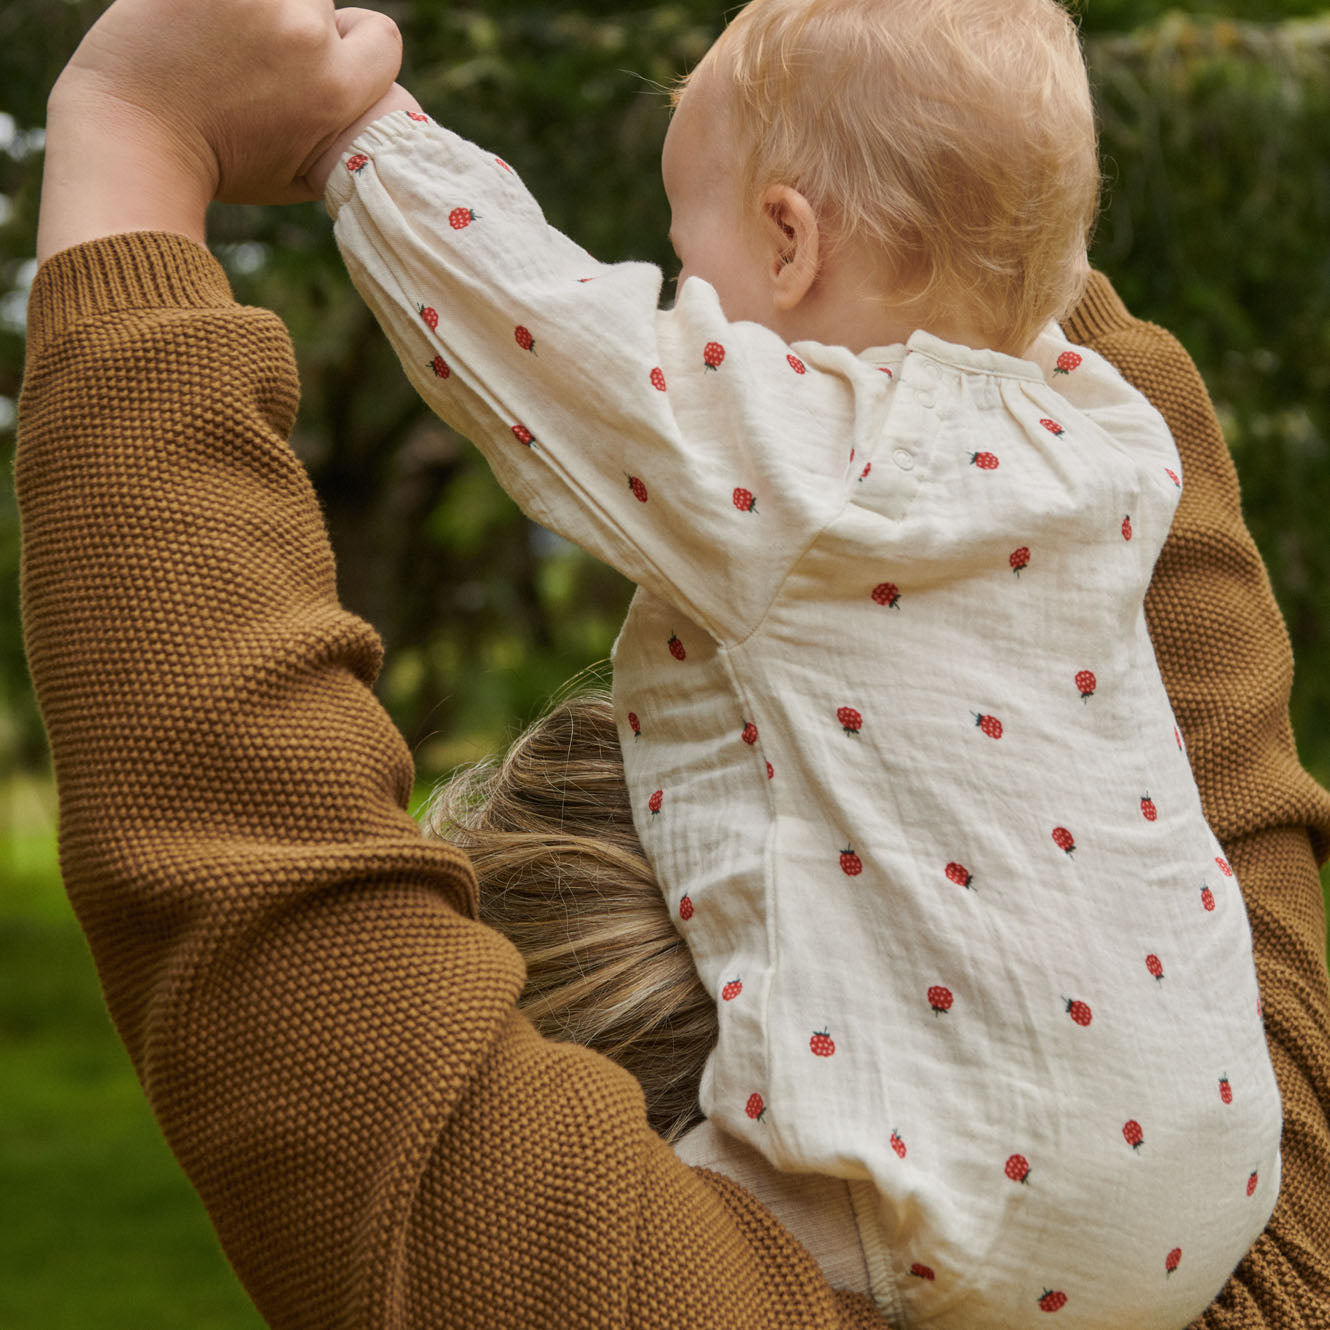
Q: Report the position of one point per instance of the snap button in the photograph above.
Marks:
(903, 459)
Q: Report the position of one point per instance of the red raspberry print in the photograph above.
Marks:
(655, 802)
(731, 990)
(441, 367)
(1067, 362)
(822, 1044)
(658, 379)
(460, 218)
(850, 863)
(771, 771)
(749, 735)
(638, 488)
(357, 163)
(940, 999)
(850, 720)
(686, 908)
(1173, 476)
(1126, 527)
(1052, 1300)
(897, 1144)
(863, 475)
(921, 1271)
(713, 355)
(1132, 1133)
(888, 594)
(1064, 840)
(755, 1107)
(1172, 1260)
(1207, 898)
(990, 725)
(523, 338)
(984, 461)
(1019, 559)
(959, 874)
(524, 435)
(417, 115)
(634, 724)
(1225, 1090)
(796, 364)
(1148, 810)
(1085, 684)
(1052, 426)
(1017, 1168)
(743, 500)
(1252, 1182)
(1078, 1011)
(504, 164)
(431, 317)
(887, 371)
(1155, 966)
(676, 647)
(1177, 738)
(1224, 866)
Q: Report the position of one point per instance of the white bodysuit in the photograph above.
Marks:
(896, 742)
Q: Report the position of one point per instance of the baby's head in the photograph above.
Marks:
(947, 146)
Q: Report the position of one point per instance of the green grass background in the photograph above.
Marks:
(98, 1227)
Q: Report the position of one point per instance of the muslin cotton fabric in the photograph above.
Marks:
(897, 745)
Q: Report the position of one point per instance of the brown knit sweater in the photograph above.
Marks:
(327, 1035)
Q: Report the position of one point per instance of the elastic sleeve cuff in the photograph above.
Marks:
(132, 270)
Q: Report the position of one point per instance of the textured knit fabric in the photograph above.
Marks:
(896, 742)
(328, 1038)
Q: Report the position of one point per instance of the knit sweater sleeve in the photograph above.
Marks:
(327, 1036)
(1225, 658)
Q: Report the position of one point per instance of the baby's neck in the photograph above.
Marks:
(845, 307)
(861, 323)
(893, 328)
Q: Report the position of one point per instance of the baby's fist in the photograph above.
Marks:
(395, 99)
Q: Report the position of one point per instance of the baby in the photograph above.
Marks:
(896, 741)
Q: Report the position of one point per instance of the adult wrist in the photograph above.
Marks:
(111, 167)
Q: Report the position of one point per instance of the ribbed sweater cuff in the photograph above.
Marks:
(133, 270)
(1099, 312)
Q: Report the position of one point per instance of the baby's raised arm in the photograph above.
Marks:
(695, 455)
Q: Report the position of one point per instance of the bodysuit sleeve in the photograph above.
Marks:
(694, 455)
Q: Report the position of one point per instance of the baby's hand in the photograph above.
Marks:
(246, 94)
(396, 99)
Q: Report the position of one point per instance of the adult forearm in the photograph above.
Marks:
(110, 170)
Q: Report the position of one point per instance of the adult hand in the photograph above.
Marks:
(168, 104)
(243, 94)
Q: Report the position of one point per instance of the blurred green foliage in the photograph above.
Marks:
(1216, 212)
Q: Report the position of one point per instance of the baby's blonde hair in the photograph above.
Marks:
(955, 137)
(561, 874)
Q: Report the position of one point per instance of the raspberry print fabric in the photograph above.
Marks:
(896, 743)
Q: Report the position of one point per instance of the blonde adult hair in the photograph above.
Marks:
(550, 831)
(955, 137)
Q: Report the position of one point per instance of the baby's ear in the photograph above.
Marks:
(791, 245)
